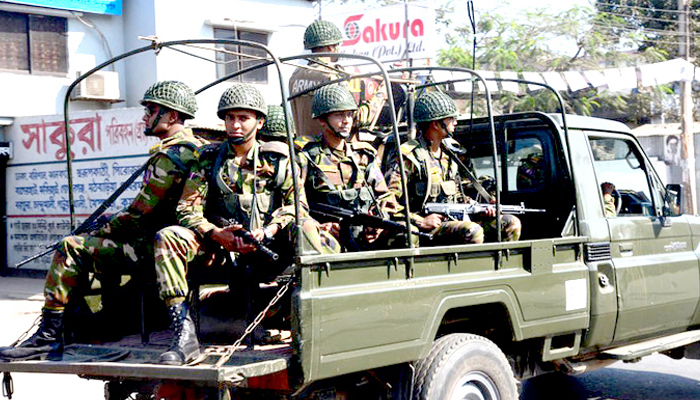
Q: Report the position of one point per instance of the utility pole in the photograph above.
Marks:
(687, 139)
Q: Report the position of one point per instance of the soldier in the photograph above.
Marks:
(433, 176)
(116, 244)
(320, 37)
(240, 179)
(341, 173)
(275, 128)
(608, 190)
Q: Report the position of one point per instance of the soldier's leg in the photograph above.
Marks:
(510, 228)
(175, 248)
(75, 258)
(458, 232)
(313, 239)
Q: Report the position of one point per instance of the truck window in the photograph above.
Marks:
(525, 167)
(618, 161)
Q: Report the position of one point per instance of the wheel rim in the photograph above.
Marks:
(475, 386)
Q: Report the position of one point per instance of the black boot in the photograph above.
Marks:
(185, 346)
(47, 340)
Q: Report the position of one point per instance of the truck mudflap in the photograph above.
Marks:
(256, 367)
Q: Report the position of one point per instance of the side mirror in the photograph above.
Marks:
(673, 199)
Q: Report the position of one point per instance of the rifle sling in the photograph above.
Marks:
(479, 187)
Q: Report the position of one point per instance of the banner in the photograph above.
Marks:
(381, 32)
(107, 147)
(112, 7)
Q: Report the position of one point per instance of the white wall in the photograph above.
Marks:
(31, 94)
(287, 19)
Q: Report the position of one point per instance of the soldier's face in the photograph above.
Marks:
(339, 123)
(242, 125)
(154, 120)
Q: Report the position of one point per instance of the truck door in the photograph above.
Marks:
(656, 269)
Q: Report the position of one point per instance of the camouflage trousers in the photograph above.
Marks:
(478, 231)
(510, 228)
(77, 257)
(178, 248)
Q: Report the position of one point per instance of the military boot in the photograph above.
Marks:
(47, 340)
(185, 346)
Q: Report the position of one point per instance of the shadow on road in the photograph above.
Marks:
(611, 384)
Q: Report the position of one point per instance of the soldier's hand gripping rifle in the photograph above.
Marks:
(461, 212)
(248, 237)
(351, 217)
(92, 222)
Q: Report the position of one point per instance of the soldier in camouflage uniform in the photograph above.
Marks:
(126, 236)
(608, 189)
(320, 37)
(435, 177)
(342, 173)
(241, 179)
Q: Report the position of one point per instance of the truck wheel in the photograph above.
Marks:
(464, 367)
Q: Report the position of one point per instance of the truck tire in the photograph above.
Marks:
(464, 367)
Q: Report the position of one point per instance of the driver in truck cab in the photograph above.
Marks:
(434, 176)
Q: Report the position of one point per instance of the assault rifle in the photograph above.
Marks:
(461, 212)
(248, 237)
(356, 218)
(92, 222)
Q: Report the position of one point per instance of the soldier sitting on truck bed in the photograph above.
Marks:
(434, 176)
(242, 181)
(344, 174)
(127, 236)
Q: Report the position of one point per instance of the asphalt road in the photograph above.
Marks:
(656, 377)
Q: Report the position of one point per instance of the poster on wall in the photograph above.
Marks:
(107, 148)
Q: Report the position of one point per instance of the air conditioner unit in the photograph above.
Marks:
(102, 85)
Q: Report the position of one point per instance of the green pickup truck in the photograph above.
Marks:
(579, 290)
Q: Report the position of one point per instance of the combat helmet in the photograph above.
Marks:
(242, 96)
(331, 98)
(321, 33)
(173, 95)
(275, 124)
(434, 106)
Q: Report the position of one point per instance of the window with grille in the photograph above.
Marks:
(237, 58)
(33, 43)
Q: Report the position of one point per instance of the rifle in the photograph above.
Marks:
(248, 237)
(353, 217)
(460, 212)
(92, 222)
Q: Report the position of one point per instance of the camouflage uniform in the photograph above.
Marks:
(350, 178)
(609, 203)
(257, 194)
(128, 234)
(319, 70)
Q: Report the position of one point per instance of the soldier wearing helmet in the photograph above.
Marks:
(320, 37)
(433, 176)
(126, 236)
(243, 180)
(343, 173)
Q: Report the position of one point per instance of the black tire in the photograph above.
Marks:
(464, 367)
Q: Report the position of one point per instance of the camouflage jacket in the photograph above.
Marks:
(154, 206)
(345, 174)
(256, 193)
(429, 178)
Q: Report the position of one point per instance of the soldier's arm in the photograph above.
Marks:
(393, 177)
(161, 175)
(190, 207)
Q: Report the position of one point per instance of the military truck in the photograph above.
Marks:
(579, 290)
